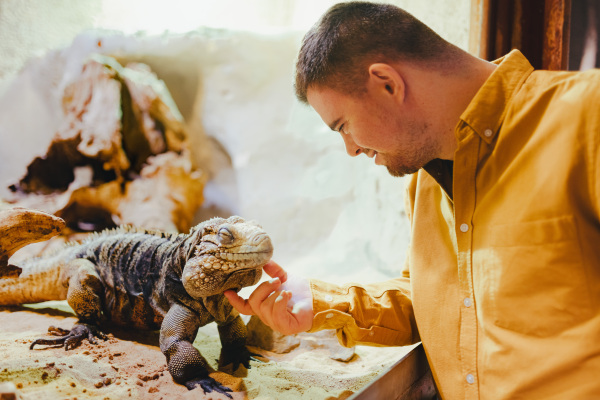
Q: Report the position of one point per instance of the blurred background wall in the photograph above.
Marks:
(29, 28)
(229, 66)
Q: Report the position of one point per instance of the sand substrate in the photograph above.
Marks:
(130, 365)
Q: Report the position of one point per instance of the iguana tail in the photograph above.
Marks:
(39, 282)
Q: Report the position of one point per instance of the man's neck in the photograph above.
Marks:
(445, 94)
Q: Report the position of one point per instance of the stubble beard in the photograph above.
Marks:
(399, 172)
(420, 150)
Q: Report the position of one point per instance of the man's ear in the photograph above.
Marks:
(385, 78)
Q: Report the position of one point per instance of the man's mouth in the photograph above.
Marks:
(369, 153)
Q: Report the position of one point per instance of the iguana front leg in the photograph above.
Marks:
(233, 344)
(185, 363)
(83, 296)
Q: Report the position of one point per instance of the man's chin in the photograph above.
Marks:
(399, 172)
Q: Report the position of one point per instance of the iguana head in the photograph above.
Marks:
(228, 254)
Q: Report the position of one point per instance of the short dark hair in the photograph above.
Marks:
(338, 49)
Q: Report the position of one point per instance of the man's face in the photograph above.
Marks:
(391, 132)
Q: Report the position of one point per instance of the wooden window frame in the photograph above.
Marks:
(539, 28)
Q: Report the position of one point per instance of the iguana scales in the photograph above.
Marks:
(152, 280)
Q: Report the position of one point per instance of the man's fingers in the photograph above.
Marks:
(262, 292)
(265, 311)
(241, 305)
(275, 305)
(274, 270)
(282, 318)
(252, 305)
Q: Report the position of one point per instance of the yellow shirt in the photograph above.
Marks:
(504, 268)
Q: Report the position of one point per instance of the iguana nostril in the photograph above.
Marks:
(257, 239)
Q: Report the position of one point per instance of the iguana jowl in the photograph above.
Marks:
(150, 280)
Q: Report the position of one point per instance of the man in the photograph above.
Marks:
(502, 280)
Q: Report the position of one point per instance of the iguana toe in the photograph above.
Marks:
(71, 339)
(209, 385)
(237, 356)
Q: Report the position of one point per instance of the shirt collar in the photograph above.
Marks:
(486, 111)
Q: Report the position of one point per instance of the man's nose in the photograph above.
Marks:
(351, 148)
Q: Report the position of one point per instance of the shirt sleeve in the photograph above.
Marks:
(374, 314)
(378, 314)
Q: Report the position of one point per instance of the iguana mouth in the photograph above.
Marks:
(225, 256)
(232, 262)
(214, 273)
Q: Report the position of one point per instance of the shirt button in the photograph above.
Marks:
(464, 227)
(329, 298)
(330, 315)
(470, 379)
(468, 302)
(488, 133)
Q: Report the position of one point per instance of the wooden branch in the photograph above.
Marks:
(20, 227)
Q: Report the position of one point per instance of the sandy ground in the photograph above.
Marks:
(130, 365)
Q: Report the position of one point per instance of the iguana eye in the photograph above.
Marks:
(225, 236)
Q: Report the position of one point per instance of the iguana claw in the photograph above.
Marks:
(71, 339)
(208, 384)
(236, 356)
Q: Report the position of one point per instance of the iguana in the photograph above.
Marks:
(153, 280)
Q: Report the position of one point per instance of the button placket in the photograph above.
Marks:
(465, 166)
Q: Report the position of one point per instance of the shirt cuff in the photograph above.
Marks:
(332, 307)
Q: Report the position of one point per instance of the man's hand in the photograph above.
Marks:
(284, 303)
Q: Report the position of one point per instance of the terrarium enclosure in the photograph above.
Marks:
(164, 114)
